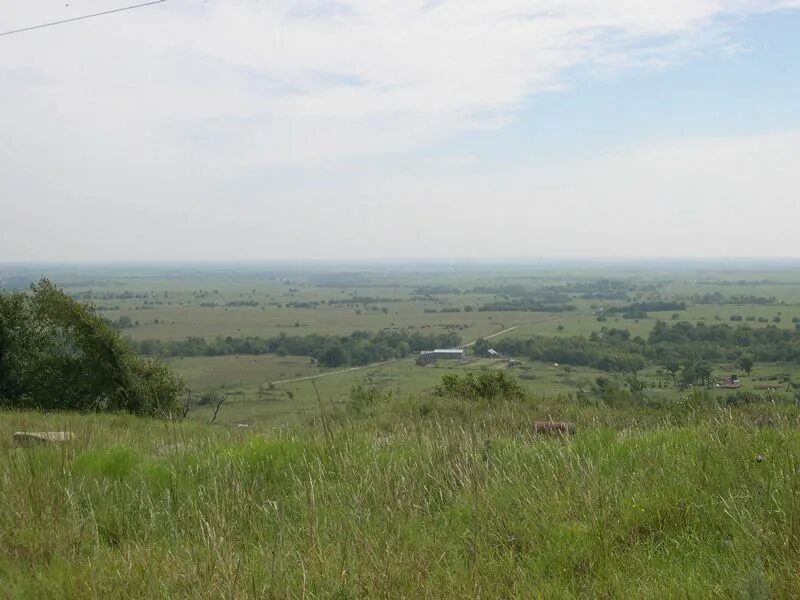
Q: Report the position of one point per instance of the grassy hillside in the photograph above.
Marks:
(413, 497)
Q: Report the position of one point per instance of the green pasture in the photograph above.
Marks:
(407, 497)
(252, 396)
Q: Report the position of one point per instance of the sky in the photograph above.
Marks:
(372, 129)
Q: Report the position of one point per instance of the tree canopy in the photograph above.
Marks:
(57, 354)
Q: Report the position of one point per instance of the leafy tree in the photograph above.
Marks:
(746, 362)
(402, 349)
(56, 353)
(672, 367)
(481, 347)
(610, 391)
(334, 356)
(696, 372)
(635, 385)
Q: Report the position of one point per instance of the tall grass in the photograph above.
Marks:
(408, 498)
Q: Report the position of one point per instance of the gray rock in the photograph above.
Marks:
(43, 437)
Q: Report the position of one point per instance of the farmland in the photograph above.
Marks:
(160, 307)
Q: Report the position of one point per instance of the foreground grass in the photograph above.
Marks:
(422, 499)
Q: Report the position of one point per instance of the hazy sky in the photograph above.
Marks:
(243, 129)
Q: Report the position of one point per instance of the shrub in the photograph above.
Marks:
(745, 397)
(362, 398)
(491, 385)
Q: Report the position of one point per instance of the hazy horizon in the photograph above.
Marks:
(736, 263)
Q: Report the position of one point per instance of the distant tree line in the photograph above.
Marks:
(611, 350)
(250, 303)
(363, 300)
(682, 344)
(724, 342)
(602, 289)
(604, 296)
(719, 298)
(358, 348)
(302, 304)
(124, 322)
(526, 305)
(642, 308)
(92, 295)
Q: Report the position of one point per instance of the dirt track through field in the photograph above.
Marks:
(494, 335)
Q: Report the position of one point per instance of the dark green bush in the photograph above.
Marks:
(490, 385)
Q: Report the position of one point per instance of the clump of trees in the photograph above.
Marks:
(526, 305)
(235, 303)
(639, 310)
(677, 345)
(611, 350)
(57, 354)
(124, 322)
(719, 298)
(724, 342)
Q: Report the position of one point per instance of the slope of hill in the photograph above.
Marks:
(408, 497)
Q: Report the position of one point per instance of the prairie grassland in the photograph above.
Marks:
(408, 497)
(246, 382)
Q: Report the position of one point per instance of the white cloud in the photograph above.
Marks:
(141, 113)
(302, 82)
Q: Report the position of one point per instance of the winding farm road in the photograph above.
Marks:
(494, 335)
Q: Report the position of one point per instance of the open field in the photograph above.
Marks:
(408, 498)
(173, 303)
